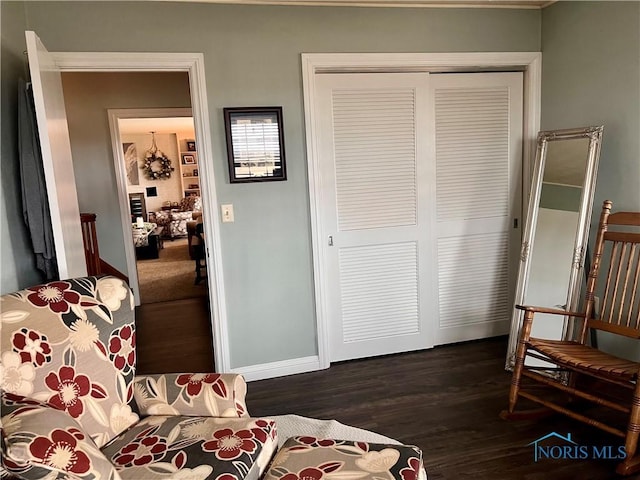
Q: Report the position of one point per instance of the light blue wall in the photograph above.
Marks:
(17, 265)
(252, 57)
(591, 76)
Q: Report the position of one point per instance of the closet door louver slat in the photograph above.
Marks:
(379, 287)
(372, 155)
(374, 134)
(472, 186)
(475, 164)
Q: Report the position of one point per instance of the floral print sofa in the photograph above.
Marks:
(175, 221)
(72, 406)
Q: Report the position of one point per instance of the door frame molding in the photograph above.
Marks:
(530, 63)
(114, 115)
(193, 64)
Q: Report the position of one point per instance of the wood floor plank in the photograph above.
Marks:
(445, 400)
(174, 337)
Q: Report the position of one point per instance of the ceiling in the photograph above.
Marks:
(131, 126)
(527, 4)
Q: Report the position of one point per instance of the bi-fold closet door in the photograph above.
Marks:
(419, 186)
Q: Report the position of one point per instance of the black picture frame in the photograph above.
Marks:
(191, 145)
(188, 159)
(255, 144)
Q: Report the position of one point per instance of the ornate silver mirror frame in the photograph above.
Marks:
(556, 230)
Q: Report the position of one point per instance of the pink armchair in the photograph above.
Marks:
(72, 406)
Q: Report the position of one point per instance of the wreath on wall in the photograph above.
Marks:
(157, 166)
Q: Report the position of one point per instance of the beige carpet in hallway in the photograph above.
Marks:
(170, 277)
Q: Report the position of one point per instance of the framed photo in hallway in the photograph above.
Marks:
(255, 144)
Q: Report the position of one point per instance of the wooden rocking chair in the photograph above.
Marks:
(620, 314)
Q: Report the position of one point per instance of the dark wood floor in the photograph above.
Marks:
(445, 400)
(174, 337)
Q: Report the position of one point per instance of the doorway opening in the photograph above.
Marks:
(160, 159)
(163, 186)
(46, 69)
(153, 187)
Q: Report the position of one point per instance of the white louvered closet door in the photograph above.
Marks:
(478, 154)
(373, 187)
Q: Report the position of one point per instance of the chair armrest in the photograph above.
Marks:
(529, 312)
(191, 394)
(32, 431)
(552, 311)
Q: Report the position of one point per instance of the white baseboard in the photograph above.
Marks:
(279, 369)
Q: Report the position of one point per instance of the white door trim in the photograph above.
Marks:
(317, 63)
(193, 63)
(121, 176)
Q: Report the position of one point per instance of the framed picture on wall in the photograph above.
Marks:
(188, 159)
(191, 145)
(255, 144)
(131, 163)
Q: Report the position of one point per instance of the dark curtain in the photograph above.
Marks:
(35, 204)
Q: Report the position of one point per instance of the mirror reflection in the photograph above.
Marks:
(556, 228)
(557, 224)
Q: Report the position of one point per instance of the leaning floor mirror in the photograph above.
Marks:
(556, 231)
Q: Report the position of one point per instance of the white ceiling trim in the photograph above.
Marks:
(515, 4)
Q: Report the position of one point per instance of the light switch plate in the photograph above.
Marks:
(227, 213)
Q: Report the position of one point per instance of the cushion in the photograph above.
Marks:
(200, 394)
(180, 447)
(191, 203)
(179, 216)
(71, 344)
(313, 458)
(40, 440)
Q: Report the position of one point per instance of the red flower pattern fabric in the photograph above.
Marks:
(59, 451)
(310, 473)
(57, 296)
(411, 472)
(226, 476)
(178, 442)
(263, 430)
(122, 348)
(229, 445)
(142, 451)
(310, 458)
(40, 441)
(32, 346)
(78, 339)
(11, 399)
(194, 382)
(318, 442)
(69, 388)
(195, 394)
